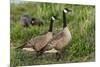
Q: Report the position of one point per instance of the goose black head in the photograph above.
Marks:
(66, 10)
(52, 19)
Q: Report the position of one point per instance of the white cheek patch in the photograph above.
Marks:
(53, 18)
(32, 21)
(65, 11)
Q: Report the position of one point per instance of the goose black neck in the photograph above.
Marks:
(51, 26)
(64, 20)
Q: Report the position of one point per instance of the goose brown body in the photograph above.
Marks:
(60, 40)
(39, 42)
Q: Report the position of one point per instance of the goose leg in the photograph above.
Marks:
(36, 56)
(39, 53)
(62, 54)
(58, 56)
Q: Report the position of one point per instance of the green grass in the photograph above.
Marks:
(81, 24)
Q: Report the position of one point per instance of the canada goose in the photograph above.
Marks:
(60, 40)
(36, 21)
(26, 20)
(39, 42)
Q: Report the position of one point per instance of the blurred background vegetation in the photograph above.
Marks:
(81, 23)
